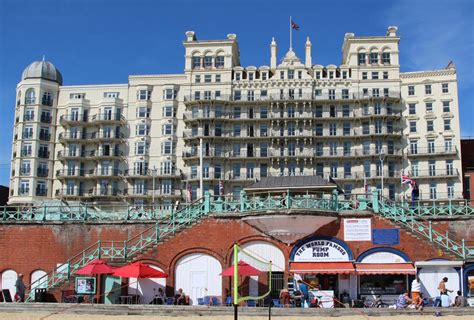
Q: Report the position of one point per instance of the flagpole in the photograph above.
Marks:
(291, 32)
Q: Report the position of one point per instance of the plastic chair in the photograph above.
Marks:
(251, 303)
(169, 301)
(276, 303)
(200, 301)
(215, 301)
(228, 301)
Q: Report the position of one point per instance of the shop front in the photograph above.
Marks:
(325, 263)
(468, 276)
(384, 272)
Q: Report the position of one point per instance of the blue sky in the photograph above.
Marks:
(104, 41)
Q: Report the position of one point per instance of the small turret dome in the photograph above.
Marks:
(43, 70)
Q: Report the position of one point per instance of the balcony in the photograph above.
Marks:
(105, 154)
(26, 152)
(89, 193)
(41, 192)
(47, 102)
(108, 118)
(64, 137)
(70, 173)
(431, 151)
(45, 136)
(150, 173)
(43, 154)
(45, 119)
(25, 172)
(73, 118)
(437, 173)
(27, 135)
(29, 117)
(23, 191)
(42, 172)
(70, 154)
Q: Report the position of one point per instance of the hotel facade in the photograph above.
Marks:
(220, 126)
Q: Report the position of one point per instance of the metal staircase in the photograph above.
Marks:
(416, 222)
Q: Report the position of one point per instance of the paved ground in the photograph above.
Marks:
(53, 311)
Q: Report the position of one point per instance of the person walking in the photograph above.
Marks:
(442, 286)
(20, 288)
(415, 288)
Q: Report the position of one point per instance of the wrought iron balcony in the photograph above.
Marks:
(45, 119)
(108, 118)
(42, 172)
(73, 118)
(431, 151)
(45, 136)
(41, 192)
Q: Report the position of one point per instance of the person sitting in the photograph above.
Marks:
(417, 302)
(298, 298)
(285, 297)
(180, 297)
(160, 297)
(403, 301)
(460, 300)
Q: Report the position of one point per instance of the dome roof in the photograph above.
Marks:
(44, 70)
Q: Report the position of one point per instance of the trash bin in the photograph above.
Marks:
(40, 295)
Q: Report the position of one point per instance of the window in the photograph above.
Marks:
(345, 93)
(332, 129)
(344, 74)
(47, 99)
(208, 62)
(140, 148)
(361, 58)
(364, 75)
(264, 76)
(375, 75)
(377, 108)
(263, 112)
(143, 95)
(375, 92)
(197, 95)
(413, 147)
(347, 148)
(263, 170)
(432, 191)
(168, 111)
(413, 126)
(319, 129)
(237, 76)
(167, 147)
(385, 75)
(30, 97)
(378, 127)
(365, 128)
(167, 129)
(445, 88)
(237, 112)
(431, 146)
(429, 107)
(218, 78)
(111, 94)
(207, 78)
(291, 74)
(25, 168)
(236, 170)
(346, 110)
(318, 92)
(263, 93)
(386, 57)
(332, 94)
(412, 108)
(263, 150)
(432, 168)
(367, 168)
(385, 92)
(236, 130)
(140, 130)
(448, 145)
(445, 106)
(196, 62)
(447, 124)
(219, 62)
(77, 96)
(250, 170)
(346, 131)
(429, 126)
(411, 90)
(331, 74)
(237, 95)
(170, 94)
(449, 168)
(374, 58)
(347, 169)
(333, 167)
(414, 169)
(333, 148)
(24, 187)
(197, 78)
(282, 74)
(318, 75)
(29, 115)
(450, 187)
(427, 88)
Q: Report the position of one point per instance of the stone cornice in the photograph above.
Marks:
(423, 74)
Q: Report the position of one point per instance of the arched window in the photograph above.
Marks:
(47, 99)
(30, 97)
(39, 279)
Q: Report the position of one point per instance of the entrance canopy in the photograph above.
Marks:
(385, 268)
(345, 267)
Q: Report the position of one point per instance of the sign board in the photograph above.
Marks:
(386, 236)
(383, 257)
(357, 230)
(85, 285)
(6, 295)
(321, 250)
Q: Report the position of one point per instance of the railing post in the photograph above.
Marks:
(4, 213)
(375, 200)
(99, 248)
(68, 268)
(45, 211)
(125, 249)
(334, 196)
(157, 232)
(288, 199)
(463, 249)
(207, 202)
(450, 208)
(85, 212)
(218, 205)
(173, 220)
(447, 239)
(430, 230)
(243, 199)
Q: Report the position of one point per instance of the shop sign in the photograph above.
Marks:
(357, 230)
(321, 250)
(386, 236)
(383, 257)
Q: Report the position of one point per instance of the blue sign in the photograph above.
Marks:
(386, 236)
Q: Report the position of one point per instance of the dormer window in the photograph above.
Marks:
(331, 74)
(219, 62)
(196, 62)
(251, 76)
(208, 62)
(291, 74)
(111, 94)
(344, 74)
(318, 74)
(264, 76)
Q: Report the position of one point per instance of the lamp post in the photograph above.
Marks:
(153, 173)
(381, 158)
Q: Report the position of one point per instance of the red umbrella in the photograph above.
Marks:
(138, 270)
(243, 268)
(96, 267)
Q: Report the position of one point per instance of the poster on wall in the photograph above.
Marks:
(386, 236)
(357, 230)
(85, 285)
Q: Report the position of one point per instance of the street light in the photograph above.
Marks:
(381, 158)
(153, 173)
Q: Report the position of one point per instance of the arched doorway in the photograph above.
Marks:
(39, 274)
(144, 287)
(198, 274)
(9, 278)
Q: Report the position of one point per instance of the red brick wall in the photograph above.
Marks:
(28, 247)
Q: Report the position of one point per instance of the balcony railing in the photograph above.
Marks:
(29, 117)
(436, 173)
(114, 117)
(45, 136)
(43, 154)
(47, 102)
(41, 192)
(73, 117)
(427, 151)
(42, 172)
(45, 119)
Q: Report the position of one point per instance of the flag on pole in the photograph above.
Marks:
(221, 187)
(366, 186)
(295, 26)
(407, 180)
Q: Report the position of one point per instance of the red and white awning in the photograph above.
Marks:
(385, 268)
(345, 267)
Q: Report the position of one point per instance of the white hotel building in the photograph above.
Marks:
(139, 142)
